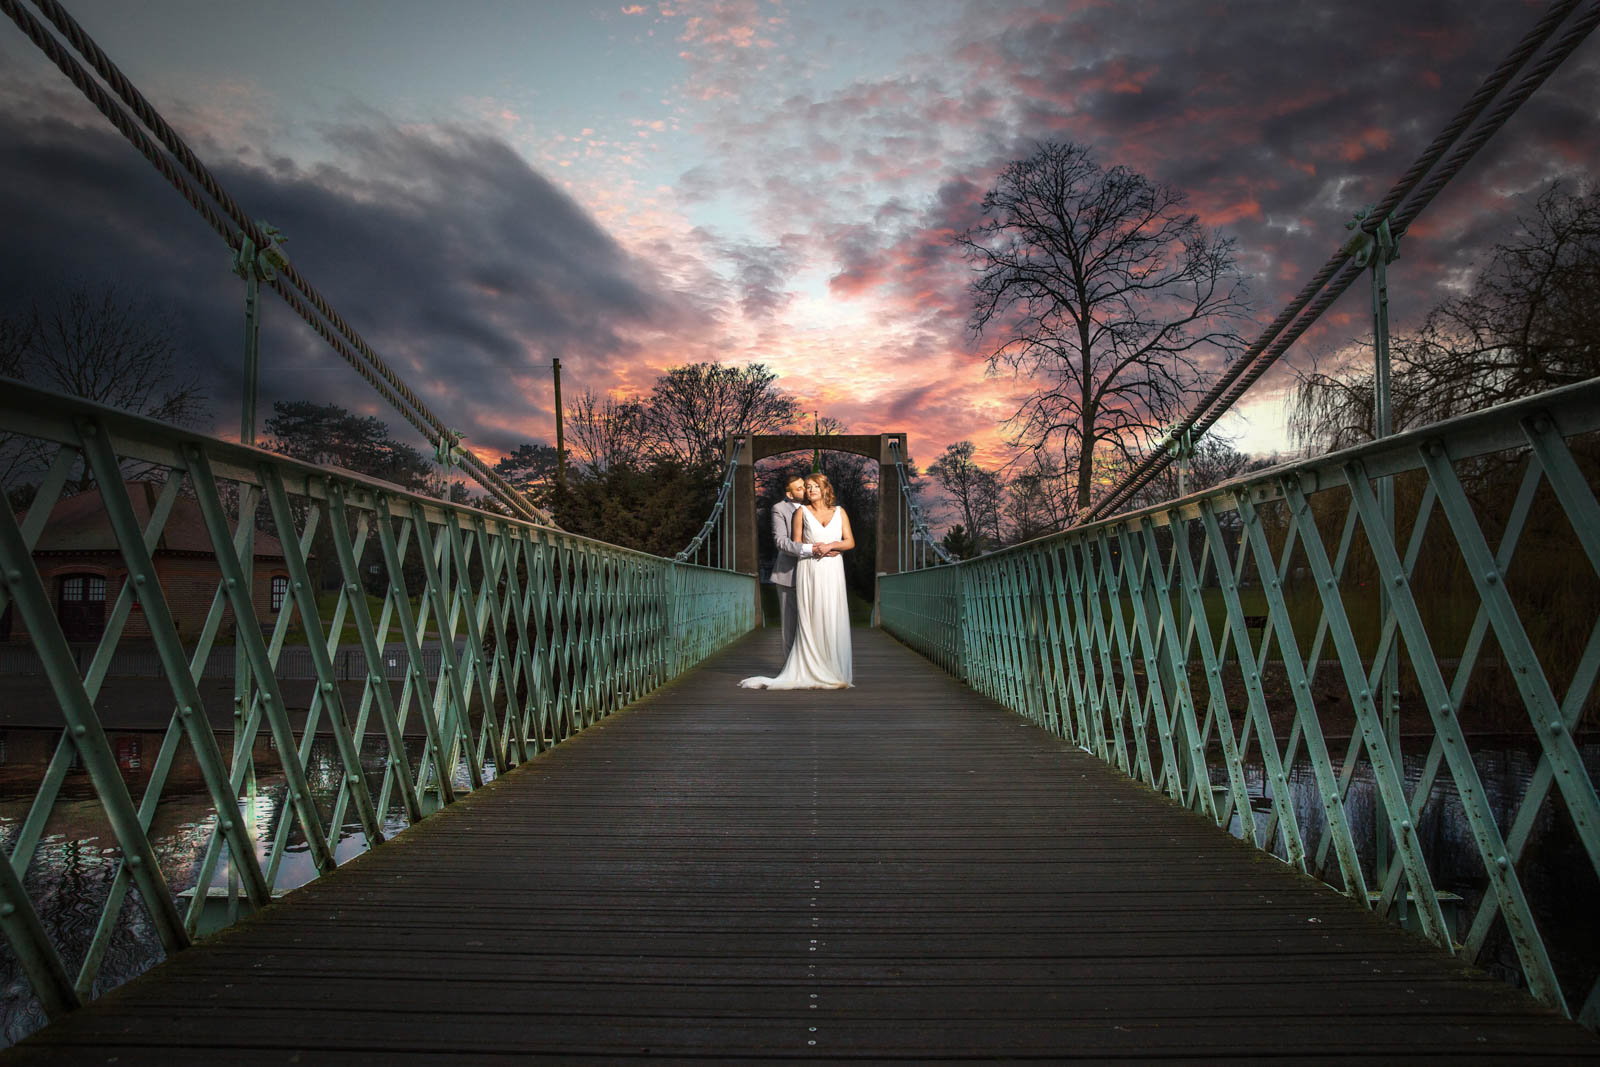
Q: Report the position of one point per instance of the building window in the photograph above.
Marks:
(83, 587)
(280, 591)
(81, 606)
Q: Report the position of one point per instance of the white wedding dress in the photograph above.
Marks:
(820, 658)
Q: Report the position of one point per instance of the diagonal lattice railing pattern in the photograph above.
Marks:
(1228, 650)
(513, 637)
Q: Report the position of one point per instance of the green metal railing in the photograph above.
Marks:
(1184, 642)
(535, 634)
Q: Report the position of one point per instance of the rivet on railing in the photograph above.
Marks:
(79, 730)
(1542, 424)
(7, 910)
(327, 687)
(135, 861)
(1555, 726)
(1502, 862)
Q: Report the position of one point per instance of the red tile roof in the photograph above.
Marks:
(78, 524)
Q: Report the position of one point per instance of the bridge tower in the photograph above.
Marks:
(893, 532)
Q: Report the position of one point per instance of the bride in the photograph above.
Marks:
(820, 658)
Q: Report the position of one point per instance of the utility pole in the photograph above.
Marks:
(561, 438)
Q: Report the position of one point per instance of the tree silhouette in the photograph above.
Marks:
(1104, 290)
(975, 491)
(1529, 322)
(104, 345)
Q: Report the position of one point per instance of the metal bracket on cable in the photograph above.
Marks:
(448, 450)
(1179, 442)
(264, 263)
(1362, 246)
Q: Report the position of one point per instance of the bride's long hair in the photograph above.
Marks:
(826, 486)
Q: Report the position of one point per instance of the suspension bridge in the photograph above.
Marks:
(1146, 788)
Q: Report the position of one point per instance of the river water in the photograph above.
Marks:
(1556, 874)
(77, 857)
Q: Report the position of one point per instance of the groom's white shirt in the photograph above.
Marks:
(789, 549)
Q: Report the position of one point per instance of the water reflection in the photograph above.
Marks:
(75, 863)
(1556, 875)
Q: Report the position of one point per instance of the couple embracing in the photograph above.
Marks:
(811, 531)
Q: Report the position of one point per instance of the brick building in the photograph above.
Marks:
(83, 571)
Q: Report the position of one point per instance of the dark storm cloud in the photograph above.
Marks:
(460, 265)
(1277, 120)
(1280, 120)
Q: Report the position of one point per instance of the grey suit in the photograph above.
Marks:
(789, 551)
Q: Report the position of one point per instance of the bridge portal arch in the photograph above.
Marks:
(894, 526)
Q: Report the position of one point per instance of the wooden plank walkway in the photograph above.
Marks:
(900, 871)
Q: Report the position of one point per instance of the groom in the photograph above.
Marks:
(789, 550)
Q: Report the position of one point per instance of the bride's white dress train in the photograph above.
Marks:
(820, 658)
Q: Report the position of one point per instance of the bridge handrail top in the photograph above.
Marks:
(1574, 408)
(49, 415)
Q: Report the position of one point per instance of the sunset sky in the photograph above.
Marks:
(482, 186)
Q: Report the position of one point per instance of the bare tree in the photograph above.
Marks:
(113, 349)
(1106, 290)
(104, 346)
(974, 490)
(1530, 322)
(693, 409)
(607, 432)
(1035, 500)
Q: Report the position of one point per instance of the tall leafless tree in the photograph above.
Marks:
(607, 431)
(693, 409)
(104, 345)
(974, 490)
(1102, 288)
(1529, 322)
(1035, 504)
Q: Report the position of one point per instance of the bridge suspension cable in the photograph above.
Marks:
(920, 534)
(244, 235)
(1404, 202)
(719, 547)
